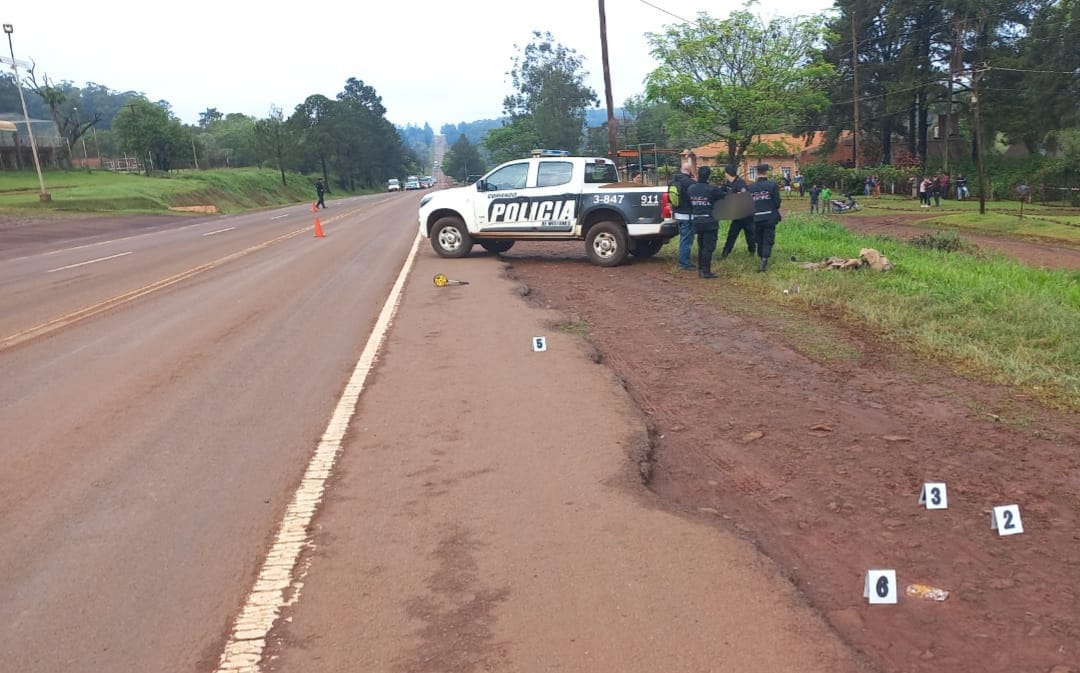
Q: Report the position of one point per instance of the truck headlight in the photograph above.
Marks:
(425, 200)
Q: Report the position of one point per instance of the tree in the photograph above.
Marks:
(549, 89)
(230, 141)
(69, 124)
(274, 142)
(209, 116)
(516, 139)
(149, 131)
(9, 93)
(312, 122)
(369, 148)
(736, 78)
(420, 141)
(1031, 91)
(476, 131)
(462, 160)
(895, 51)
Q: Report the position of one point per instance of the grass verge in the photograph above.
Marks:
(983, 314)
(230, 190)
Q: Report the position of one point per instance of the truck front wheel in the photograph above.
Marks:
(450, 238)
(607, 244)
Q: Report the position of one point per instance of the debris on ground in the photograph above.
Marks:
(927, 592)
(868, 257)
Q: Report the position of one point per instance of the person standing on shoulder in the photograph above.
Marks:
(320, 189)
(681, 206)
(766, 197)
(924, 192)
(703, 197)
(815, 195)
(736, 185)
(961, 187)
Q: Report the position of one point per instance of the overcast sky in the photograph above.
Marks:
(430, 61)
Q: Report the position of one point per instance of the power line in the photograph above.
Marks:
(661, 9)
(947, 24)
(1041, 72)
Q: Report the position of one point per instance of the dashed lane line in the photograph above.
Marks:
(89, 311)
(219, 231)
(279, 581)
(90, 261)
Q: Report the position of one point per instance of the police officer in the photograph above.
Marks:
(703, 197)
(766, 197)
(735, 185)
(683, 213)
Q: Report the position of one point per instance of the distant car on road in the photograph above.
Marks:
(427, 181)
(393, 185)
(412, 182)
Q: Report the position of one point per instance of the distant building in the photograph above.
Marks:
(15, 149)
(784, 152)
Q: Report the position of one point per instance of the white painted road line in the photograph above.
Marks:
(211, 233)
(276, 578)
(77, 247)
(278, 217)
(86, 312)
(92, 261)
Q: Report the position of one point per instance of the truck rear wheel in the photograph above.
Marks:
(646, 247)
(450, 238)
(607, 244)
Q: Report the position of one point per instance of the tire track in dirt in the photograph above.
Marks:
(829, 487)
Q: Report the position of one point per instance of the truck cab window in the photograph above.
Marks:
(508, 177)
(554, 173)
(600, 173)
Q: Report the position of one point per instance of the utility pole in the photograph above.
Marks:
(612, 141)
(855, 74)
(97, 147)
(953, 67)
(975, 74)
(44, 197)
(78, 124)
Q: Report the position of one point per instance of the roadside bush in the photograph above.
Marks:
(945, 241)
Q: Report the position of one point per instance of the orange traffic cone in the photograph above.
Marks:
(314, 206)
(318, 229)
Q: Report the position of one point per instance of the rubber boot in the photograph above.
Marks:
(764, 263)
(706, 272)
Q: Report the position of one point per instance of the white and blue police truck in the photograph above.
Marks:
(550, 196)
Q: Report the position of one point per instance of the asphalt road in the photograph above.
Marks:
(186, 488)
(162, 390)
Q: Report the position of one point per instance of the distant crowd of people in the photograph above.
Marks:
(937, 188)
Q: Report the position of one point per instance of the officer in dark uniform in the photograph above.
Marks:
(736, 185)
(681, 181)
(766, 197)
(703, 197)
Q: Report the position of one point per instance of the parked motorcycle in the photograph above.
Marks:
(842, 206)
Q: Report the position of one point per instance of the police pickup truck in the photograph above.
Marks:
(550, 198)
